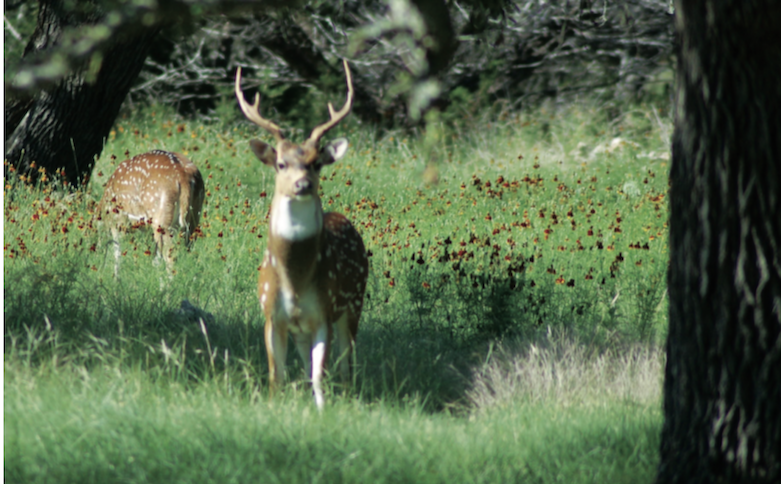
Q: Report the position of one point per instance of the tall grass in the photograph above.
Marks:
(568, 372)
(510, 330)
(66, 422)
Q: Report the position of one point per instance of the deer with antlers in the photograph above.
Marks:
(159, 189)
(314, 272)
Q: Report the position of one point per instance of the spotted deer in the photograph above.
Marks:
(158, 188)
(315, 267)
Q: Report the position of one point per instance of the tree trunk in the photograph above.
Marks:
(64, 127)
(722, 389)
(442, 36)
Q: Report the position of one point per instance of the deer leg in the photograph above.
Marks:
(276, 350)
(164, 234)
(346, 345)
(167, 248)
(163, 247)
(188, 228)
(304, 343)
(117, 250)
(319, 357)
(159, 242)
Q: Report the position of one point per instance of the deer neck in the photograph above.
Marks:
(296, 219)
(295, 229)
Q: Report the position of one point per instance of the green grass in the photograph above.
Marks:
(514, 310)
(122, 425)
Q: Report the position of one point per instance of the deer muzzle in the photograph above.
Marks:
(303, 187)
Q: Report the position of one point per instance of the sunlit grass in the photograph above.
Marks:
(557, 368)
(513, 211)
(482, 241)
(69, 423)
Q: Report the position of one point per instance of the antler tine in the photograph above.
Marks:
(252, 113)
(337, 116)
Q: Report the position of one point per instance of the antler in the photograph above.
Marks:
(251, 112)
(319, 131)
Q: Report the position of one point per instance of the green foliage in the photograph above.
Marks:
(19, 26)
(418, 32)
(548, 221)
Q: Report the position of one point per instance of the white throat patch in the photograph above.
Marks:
(296, 219)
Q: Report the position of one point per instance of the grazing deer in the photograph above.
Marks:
(315, 267)
(158, 188)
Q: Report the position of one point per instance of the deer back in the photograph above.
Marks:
(158, 187)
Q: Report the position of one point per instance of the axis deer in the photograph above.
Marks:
(314, 271)
(158, 188)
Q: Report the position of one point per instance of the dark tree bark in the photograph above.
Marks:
(64, 127)
(439, 26)
(722, 390)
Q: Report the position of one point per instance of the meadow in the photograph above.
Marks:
(511, 332)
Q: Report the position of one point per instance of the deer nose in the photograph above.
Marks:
(303, 186)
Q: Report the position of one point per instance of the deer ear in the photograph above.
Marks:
(335, 150)
(264, 151)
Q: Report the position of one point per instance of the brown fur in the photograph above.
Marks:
(147, 188)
